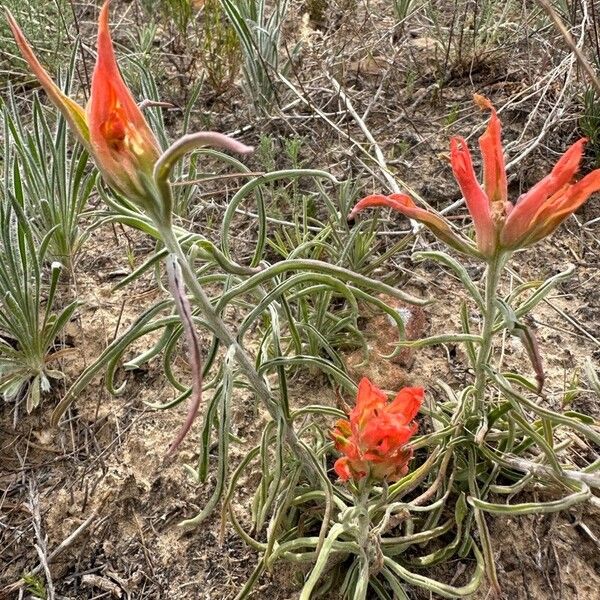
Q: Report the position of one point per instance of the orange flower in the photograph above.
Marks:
(500, 225)
(112, 126)
(547, 204)
(123, 145)
(374, 440)
(73, 113)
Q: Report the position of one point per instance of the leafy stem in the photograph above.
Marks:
(492, 278)
(226, 337)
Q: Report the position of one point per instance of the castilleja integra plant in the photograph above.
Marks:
(484, 417)
(501, 227)
(401, 484)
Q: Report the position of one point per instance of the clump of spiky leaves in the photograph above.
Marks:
(220, 46)
(589, 122)
(404, 8)
(465, 36)
(56, 181)
(259, 32)
(180, 12)
(35, 585)
(31, 320)
(47, 22)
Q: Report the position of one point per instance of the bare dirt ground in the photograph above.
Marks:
(105, 468)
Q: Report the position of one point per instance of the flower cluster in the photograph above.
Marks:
(374, 440)
(500, 225)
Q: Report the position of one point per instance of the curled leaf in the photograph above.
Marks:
(184, 310)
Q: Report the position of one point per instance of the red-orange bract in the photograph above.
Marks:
(500, 225)
(112, 126)
(122, 143)
(374, 440)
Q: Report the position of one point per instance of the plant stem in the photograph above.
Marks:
(492, 277)
(362, 500)
(214, 321)
(366, 539)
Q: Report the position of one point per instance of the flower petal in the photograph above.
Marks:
(386, 434)
(342, 468)
(476, 199)
(560, 206)
(519, 222)
(405, 205)
(407, 403)
(494, 168)
(369, 399)
(73, 113)
(343, 440)
(122, 143)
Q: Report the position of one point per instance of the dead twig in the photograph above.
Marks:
(66, 543)
(147, 103)
(41, 545)
(581, 59)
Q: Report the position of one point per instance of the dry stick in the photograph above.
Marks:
(41, 545)
(379, 157)
(147, 103)
(68, 541)
(253, 215)
(86, 88)
(375, 99)
(553, 116)
(557, 106)
(326, 118)
(581, 59)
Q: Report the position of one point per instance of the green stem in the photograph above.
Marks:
(214, 321)
(492, 277)
(362, 499)
(367, 539)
